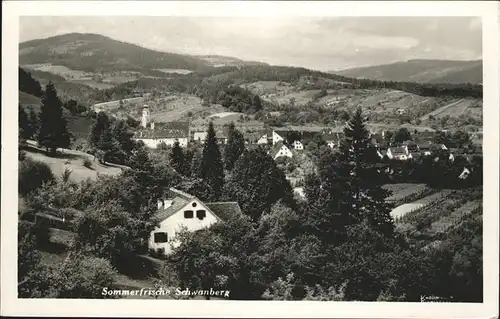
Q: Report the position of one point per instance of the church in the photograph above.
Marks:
(153, 134)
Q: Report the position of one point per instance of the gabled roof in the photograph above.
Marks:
(164, 130)
(225, 210)
(398, 150)
(276, 147)
(221, 210)
(177, 204)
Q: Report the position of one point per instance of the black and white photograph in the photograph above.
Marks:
(218, 158)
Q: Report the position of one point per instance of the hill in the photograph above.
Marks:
(426, 71)
(95, 53)
(220, 61)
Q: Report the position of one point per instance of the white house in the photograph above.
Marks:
(280, 150)
(277, 138)
(270, 137)
(399, 153)
(181, 211)
(153, 134)
(199, 136)
(297, 145)
(262, 139)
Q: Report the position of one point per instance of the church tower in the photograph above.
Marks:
(145, 116)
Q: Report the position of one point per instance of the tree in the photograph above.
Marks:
(53, 131)
(211, 167)
(32, 175)
(123, 135)
(256, 183)
(402, 135)
(257, 103)
(24, 125)
(196, 164)
(82, 277)
(33, 122)
(234, 148)
(177, 158)
(359, 168)
(100, 125)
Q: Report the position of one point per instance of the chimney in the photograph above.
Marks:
(167, 203)
(160, 204)
(152, 125)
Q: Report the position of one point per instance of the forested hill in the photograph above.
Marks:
(427, 71)
(93, 52)
(207, 83)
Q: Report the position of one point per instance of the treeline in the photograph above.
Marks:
(28, 84)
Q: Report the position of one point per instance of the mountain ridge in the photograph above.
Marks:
(421, 70)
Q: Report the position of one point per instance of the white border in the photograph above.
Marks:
(488, 10)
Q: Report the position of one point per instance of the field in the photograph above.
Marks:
(94, 80)
(73, 160)
(457, 108)
(440, 212)
(402, 190)
(28, 99)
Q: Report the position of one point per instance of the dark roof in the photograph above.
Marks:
(177, 204)
(275, 148)
(398, 150)
(165, 130)
(332, 137)
(424, 146)
(225, 210)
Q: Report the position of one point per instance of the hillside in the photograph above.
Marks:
(220, 61)
(95, 53)
(426, 71)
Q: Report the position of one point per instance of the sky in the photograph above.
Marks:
(331, 43)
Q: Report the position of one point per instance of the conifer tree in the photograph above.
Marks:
(195, 164)
(53, 131)
(33, 122)
(234, 148)
(257, 183)
(359, 170)
(177, 158)
(24, 125)
(100, 125)
(211, 167)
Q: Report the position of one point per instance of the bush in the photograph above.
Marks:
(32, 175)
(87, 163)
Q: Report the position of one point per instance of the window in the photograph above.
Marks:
(200, 214)
(161, 237)
(188, 214)
(194, 204)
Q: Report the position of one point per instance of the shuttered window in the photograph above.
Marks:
(200, 214)
(161, 237)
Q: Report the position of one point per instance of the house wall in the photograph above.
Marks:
(262, 139)
(298, 145)
(176, 222)
(284, 151)
(153, 142)
(199, 136)
(276, 138)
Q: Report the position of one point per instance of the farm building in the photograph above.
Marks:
(153, 134)
(184, 211)
(270, 136)
(399, 153)
(297, 145)
(221, 135)
(280, 150)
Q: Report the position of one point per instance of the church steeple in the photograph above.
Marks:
(145, 116)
